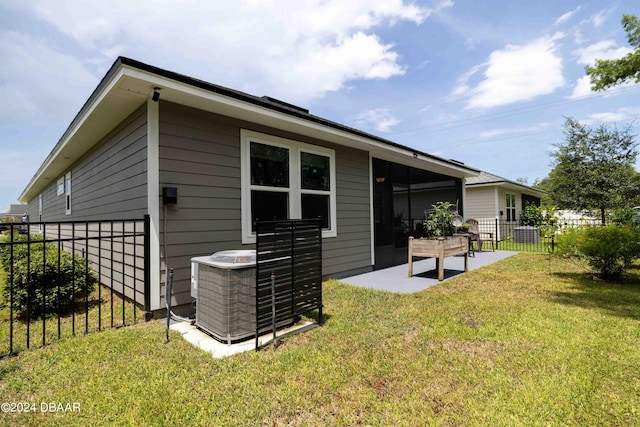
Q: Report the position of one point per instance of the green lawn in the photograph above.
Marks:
(522, 342)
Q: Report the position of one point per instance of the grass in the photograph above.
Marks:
(521, 342)
(113, 312)
(511, 245)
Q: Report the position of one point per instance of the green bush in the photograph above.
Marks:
(566, 244)
(44, 286)
(610, 250)
(531, 215)
(624, 215)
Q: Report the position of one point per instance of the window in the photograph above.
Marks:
(60, 186)
(283, 179)
(67, 193)
(40, 212)
(511, 207)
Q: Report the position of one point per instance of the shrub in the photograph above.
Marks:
(610, 250)
(531, 215)
(39, 286)
(623, 216)
(540, 217)
(566, 244)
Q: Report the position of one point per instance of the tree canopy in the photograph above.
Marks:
(612, 72)
(593, 169)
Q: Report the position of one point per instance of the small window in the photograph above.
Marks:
(511, 207)
(67, 193)
(60, 186)
(269, 165)
(316, 206)
(268, 206)
(315, 172)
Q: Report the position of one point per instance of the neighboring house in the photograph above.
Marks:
(491, 197)
(15, 213)
(234, 159)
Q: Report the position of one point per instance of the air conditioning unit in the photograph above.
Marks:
(224, 285)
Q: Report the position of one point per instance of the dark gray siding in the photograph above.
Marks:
(350, 252)
(107, 183)
(200, 155)
(110, 182)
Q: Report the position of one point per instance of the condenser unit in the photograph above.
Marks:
(224, 286)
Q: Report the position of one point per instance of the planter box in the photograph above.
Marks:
(439, 249)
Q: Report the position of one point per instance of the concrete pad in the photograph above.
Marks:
(219, 350)
(425, 275)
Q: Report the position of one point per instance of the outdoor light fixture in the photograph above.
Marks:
(380, 179)
(156, 94)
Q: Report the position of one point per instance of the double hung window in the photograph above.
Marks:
(511, 207)
(285, 179)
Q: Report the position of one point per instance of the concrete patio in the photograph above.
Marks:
(396, 279)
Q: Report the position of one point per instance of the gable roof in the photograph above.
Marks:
(485, 179)
(129, 84)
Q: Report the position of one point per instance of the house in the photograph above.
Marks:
(490, 197)
(233, 158)
(15, 213)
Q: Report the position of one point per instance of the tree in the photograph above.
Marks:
(593, 168)
(613, 72)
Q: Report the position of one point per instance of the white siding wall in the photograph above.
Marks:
(481, 202)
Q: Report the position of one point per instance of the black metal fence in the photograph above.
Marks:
(63, 278)
(513, 236)
(288, 271)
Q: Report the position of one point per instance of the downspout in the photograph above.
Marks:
(153, 200)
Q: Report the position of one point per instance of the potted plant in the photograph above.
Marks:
(439, 221)
(439, 241)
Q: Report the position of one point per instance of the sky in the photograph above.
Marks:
(488, 83)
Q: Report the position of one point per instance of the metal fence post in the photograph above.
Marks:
(147, 263)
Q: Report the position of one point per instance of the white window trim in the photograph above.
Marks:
(67, 193)
(294, 190)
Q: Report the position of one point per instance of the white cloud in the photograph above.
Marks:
(289, 49)
(462, 85)
(599, 18)
(510, 131)
(606, 49)
(513, 74)
(582, 88)
(379, 119)
(565, 17)
(624, 114)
